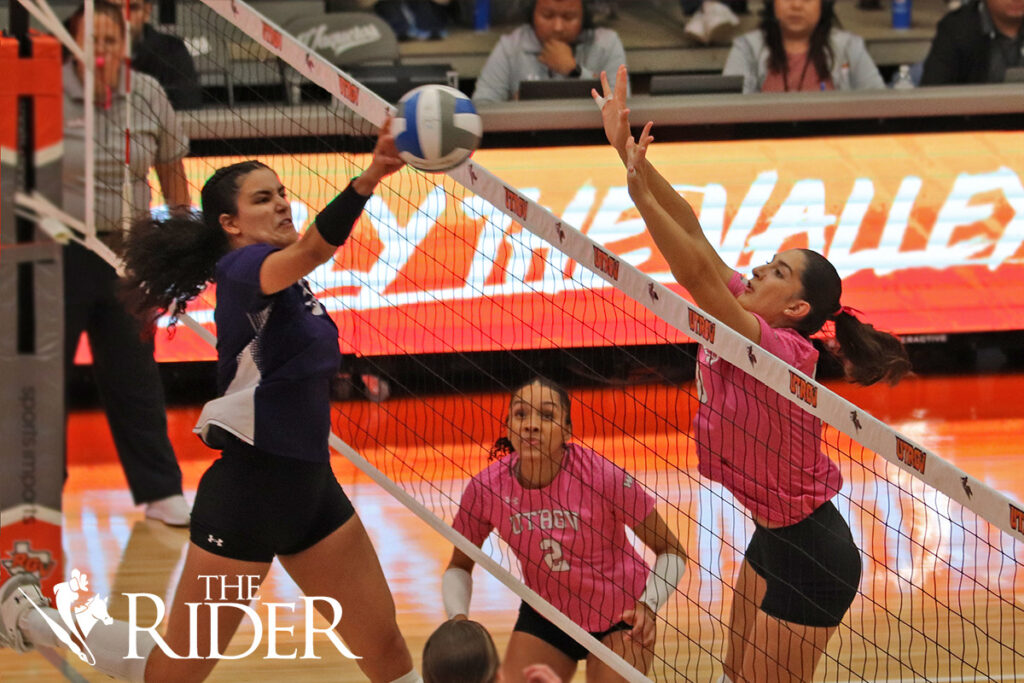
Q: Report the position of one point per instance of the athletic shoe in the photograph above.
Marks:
(696, 27)
(719, 21)
(172, 511)
(17, 595)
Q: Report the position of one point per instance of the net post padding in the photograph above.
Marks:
(31, 317)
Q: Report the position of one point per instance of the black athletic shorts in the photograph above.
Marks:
(533, 622)
(252, 505)
(812, 568)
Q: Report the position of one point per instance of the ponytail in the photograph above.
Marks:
(168, 263)
(869, 355)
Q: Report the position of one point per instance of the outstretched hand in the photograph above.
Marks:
(385, 153)
(614, 114)
(636, 154)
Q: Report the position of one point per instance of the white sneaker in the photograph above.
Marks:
(696, 28)
(173, 511)
(719, 21)
(17, 595)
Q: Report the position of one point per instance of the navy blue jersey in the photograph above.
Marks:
(276, 356)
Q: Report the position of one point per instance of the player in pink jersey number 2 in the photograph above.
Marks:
(563, 510)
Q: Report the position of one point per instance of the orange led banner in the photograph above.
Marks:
(926, 230)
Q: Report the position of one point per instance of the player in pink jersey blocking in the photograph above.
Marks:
(563, 510)
(801, 568)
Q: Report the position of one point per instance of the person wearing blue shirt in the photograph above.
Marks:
(559, 42)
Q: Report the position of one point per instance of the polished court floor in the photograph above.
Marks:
(975, 421)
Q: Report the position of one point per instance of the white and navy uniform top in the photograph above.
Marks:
(276, 356)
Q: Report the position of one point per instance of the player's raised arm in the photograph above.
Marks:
(615, 117)
(693, 263)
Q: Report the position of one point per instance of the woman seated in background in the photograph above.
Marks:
(799, 47)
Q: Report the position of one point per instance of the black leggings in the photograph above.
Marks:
(252, 505)
(533, 622)
(812, 568)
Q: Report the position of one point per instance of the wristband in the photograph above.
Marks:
(335, 222)
(661, 584)
(456, 590)
(576, 72)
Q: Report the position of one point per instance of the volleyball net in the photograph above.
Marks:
(453, 282)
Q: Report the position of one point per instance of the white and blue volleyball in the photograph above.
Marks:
(436, 128)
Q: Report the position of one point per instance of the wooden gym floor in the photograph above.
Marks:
(975, 421)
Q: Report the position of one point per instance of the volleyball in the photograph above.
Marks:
(436, 128)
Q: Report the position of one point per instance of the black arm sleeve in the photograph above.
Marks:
(335, 222)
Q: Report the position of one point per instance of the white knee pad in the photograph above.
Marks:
(411, 677)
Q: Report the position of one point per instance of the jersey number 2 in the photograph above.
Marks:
(553, 555)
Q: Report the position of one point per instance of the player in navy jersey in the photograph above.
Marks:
(272, 492)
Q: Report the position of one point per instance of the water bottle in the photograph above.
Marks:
(903, 80)
(482, 15)
(901, 14)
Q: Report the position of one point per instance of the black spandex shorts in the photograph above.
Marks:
(252, 505)
(531, 621)
(812, 568)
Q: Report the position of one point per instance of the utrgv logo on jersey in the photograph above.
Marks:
(78, 621)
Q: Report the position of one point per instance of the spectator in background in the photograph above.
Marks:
(126, 374)
(421, 19)
(559, 41)
(712, 21)
(162, 56)
(976, 43)
(799, 47)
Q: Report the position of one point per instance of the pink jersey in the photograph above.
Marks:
(762, 447)
(570, 536)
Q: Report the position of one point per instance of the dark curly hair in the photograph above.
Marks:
(169, 262)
